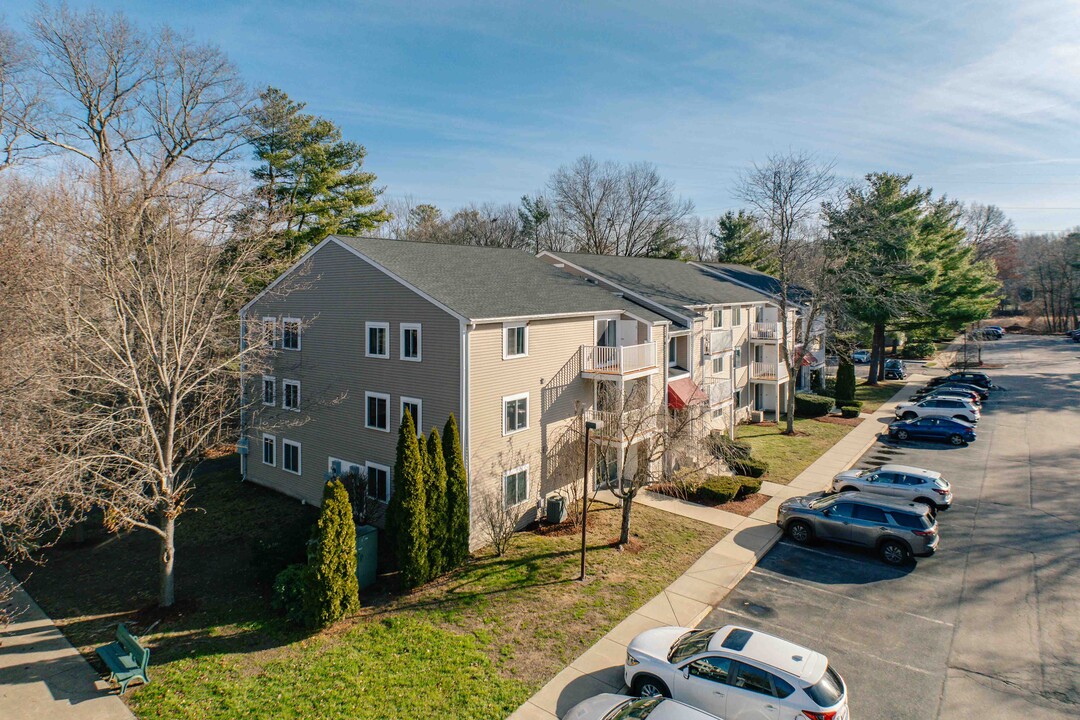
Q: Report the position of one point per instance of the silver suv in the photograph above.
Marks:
(896, 529)
(899, 481)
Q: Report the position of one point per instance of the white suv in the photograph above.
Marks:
(957, 408)
(735, 673)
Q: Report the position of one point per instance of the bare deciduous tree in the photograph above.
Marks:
(786, 192)
(989, 230)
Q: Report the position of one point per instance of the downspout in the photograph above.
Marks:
(464, 411)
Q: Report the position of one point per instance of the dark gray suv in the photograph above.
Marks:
(896, 529)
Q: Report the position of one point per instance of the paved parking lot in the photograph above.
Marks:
(990, 626)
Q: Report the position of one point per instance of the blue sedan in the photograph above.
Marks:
(954, 432)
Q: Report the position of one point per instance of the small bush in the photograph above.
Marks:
(750, 467)
(853, 403)
(718, 489)
(289, 589)
(807, 405)
(830, 387)
(917, 350)
(727, 449)
(849, 411)
(747, 486)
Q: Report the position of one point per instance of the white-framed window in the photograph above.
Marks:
(340, 468)
(411, 342)
(290, 394)
(672, 352)
(738, 398)
(607, 333)
(515, 340)
(378, 482)
(718, 318)
(738, 357)
(415, 407)
(290, 333)
(515, 413)
(516, 486)
(269, 390)
(736, 315)
(377, 342)
(718, 365)
(269, 331)
(269, 450)
(290, 456)
(377, 411)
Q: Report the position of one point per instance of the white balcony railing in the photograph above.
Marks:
(765, 331)
(718, 341)
(625, 426)
(763, 370)
(621, 360)
(719, 391)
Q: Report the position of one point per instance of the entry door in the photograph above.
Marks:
(759, 397)
(606, 333)
(627, 332)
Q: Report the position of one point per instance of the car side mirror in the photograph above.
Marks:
(686, 672)
(827, 512)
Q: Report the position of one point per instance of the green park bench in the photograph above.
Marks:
(125, 658)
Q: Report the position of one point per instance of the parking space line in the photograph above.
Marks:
(774, 576)
(852, 644)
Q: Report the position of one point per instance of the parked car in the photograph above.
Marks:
(980, 392)
(945, 406)
(955, 432)
(899, 481)
(945, 391)
(996, 328)
(735, 672)
(620, 707)
(895, 528)
(895, 370)
(964, 376)
(860, 356)
(987, 333)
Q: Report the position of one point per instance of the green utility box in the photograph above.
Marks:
(367, 554)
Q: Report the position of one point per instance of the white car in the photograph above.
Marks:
(899, 481)
(621, 707)
(860, 356)
(957, 408)
(735, 673)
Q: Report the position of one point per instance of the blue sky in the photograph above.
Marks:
(465, 101)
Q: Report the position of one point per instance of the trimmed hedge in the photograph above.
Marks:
(747, 486)
(810, 406)
(749, 467)
(849, 411)
(852, 403)
(720, 489)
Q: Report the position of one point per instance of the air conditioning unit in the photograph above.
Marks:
(757, 416)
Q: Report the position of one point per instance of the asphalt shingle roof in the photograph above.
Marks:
(484, 282)
(759, 280)
(670, 283)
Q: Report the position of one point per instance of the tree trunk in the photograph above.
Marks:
(881, 353)
(872, 377)
(168, 554)
(789, 401)
(624, 533)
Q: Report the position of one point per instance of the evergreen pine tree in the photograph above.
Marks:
(457, 498)
(407, 513)
(436, 505)
(845, 383)
(332, 589)
(740, 239)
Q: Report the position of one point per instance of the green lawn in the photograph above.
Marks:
(789, 455)
(474, 644)
(874, 396)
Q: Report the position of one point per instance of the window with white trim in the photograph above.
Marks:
(516, 486)
(718, 318)
(377, 411)
(290, 394)
(290, 456)
(410, 342)
(269, 450)
(378, 482)
(415, 407)
(718, 365)
(738, 357)
(342, 468)
(377, 344)
(515, 341)
(290, 333)
(269, 331)
(736, 316)
(515, 413)
(269, 390)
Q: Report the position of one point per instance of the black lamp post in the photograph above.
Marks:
(590, 425)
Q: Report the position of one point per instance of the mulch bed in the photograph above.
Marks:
(743, 507)
(837, 420)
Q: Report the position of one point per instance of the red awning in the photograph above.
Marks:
(683, 392)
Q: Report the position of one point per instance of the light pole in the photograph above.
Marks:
(589, 426)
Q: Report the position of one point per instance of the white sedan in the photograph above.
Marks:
(735, 673)
(621, 707)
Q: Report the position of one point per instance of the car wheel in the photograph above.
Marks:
(648, 686)
(901, 434)
(956, 439)
(800, 532)
(894, 552)
(908, 416)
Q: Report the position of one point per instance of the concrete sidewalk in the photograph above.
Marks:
(707, 582)
(42, 677)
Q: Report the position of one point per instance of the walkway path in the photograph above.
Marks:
(42, 677)
(708, 581)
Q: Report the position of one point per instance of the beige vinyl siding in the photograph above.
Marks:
(334, 297)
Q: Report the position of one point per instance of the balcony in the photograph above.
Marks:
(627, 426)
(718, 341)
(765, 332)
(719, 392)
(764, 370)
(601, 361)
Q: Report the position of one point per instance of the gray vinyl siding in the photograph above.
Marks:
(334, 297)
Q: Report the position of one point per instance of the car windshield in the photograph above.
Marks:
(692, 643)
(827, 691)
(820, 502)
(634, 709)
